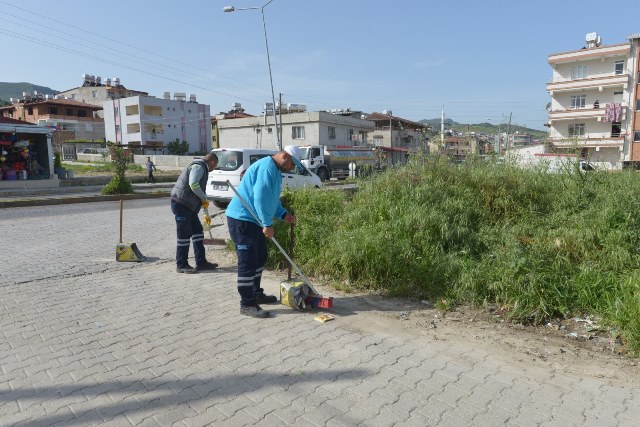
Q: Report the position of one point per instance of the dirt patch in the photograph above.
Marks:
(578, 345)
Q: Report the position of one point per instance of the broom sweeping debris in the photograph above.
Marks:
(208, 225)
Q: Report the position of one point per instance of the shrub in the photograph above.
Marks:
(119, 184)
(178, 148)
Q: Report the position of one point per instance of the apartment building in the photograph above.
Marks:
(397, 135)
(72, 120)
(335, 129)
(146, 124)
(95, 90)
(593, 93)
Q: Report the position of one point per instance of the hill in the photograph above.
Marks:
(14, 90)
(486, 128)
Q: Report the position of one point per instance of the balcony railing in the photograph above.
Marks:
(560, 79)
(585, 113)
(608, 80)
(588, 141)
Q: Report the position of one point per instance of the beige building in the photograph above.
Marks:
(95, 91)
(344, 129)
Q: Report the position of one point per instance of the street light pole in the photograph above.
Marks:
(266, 43)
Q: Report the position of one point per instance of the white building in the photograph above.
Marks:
(304, 128)
(593, 92)
(147, 124)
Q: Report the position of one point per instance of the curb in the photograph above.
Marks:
(81, 199)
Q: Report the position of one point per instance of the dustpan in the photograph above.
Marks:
(127, 252)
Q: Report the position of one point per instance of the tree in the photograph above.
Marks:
(119, 184)
(178, 148)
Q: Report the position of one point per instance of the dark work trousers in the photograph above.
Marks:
(251, 246)
(189, 229)
(151, 178)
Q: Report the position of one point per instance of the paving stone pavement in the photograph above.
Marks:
(86, 341)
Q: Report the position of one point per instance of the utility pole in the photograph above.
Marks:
(442, 127)
(280, 112)
(506, 144)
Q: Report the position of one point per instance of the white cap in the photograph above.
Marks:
(293, 151)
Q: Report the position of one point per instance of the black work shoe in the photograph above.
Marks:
(186, 269)
(266, 299)
(207, 266)
(254, 311)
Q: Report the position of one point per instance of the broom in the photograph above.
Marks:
(208, 226)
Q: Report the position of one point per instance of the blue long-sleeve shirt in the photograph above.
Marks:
(260, 188)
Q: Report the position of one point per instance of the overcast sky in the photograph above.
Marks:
(481, 60)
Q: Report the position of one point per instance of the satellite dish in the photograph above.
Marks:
(548, 107)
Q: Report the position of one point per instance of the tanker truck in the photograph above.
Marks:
(331, 162)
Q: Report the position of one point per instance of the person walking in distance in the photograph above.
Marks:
(187, 197)
(260, 188)
(151, 168)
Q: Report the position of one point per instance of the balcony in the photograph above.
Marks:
(601, 52)
(581, 141)
(594, 81)
(586, 113)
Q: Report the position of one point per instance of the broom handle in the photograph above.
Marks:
(273, 239)
(120, 220)
(290, 250)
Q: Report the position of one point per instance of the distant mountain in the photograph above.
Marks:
(487, 128)
(14, 90)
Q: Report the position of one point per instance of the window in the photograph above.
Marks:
(297, 132)
(350, 134)
(619, 67)
(202, 132)
(82, 113)
(637, 104)
(69, 112)
(576, 130)
(617, 97)
(315, 152)
(332, 132)
(616, 129)
(110, 94)
(73, 96)
(117, 129)
(53, 110)
(636, 136)
(579, 72)
(578, 101)
(94, 93)
(30, 111)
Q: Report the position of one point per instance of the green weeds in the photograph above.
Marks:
(540, 245)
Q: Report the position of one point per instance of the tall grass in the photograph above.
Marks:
(541, 245)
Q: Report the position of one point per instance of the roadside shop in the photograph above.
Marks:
(26, 155)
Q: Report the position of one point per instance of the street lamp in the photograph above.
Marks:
(266, 43)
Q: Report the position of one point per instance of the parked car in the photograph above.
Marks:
(234, 162)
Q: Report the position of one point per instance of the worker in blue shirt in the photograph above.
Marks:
(260, 188)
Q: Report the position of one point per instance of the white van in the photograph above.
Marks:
(234, 162)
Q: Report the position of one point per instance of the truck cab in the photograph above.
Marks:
(313, 158)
